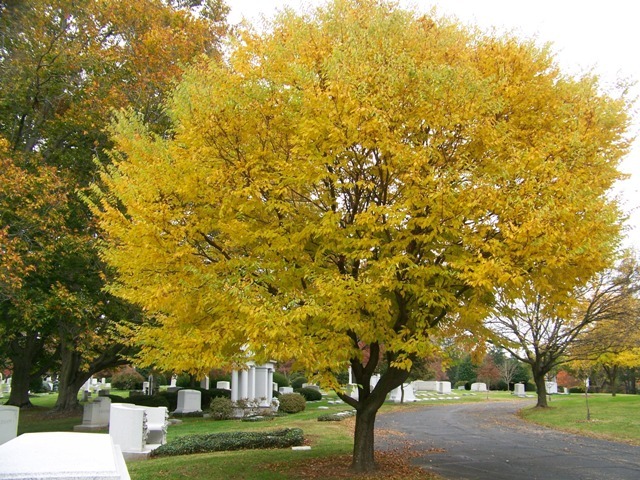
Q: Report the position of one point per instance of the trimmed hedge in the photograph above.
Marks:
(172, 398)
(217, 442)
(291, 403)
(281, 379)
(298, 382)
(147, 401)
(219, 393)
(309, 394)
(336, 417)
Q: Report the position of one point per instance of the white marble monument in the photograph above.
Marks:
(478, 387)
(443, 387)
(8, 423)
(95, 415)
(189, 401)
(397, 395)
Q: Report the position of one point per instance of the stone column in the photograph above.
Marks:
(234, 386)
(269, 385)
(244, 384)
(252, 394)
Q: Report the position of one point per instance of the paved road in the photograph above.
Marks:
(487, 441)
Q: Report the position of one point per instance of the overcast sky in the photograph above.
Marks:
(586, 34)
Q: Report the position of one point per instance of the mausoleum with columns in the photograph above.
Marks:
(253, 384)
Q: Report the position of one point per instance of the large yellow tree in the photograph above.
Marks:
(353, 180)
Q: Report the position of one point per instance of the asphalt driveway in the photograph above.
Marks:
(487, 441)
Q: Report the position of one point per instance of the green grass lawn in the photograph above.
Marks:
(331, 442)
(613, 418)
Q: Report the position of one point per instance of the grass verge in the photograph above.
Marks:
(612, 418)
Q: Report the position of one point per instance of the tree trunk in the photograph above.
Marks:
(541, 387)
(73, 376)
(22, 352)
(612, 376)
(367, 406)
(71, 379)
(363, 441)
(20, 378)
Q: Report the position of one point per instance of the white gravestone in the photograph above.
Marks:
(95, 415)
(204, 383)
(424, 385)
(285, 389)
(479, 387)
(518, 389)
(443, 387)
(396, 395)
(189, 401)
(223, 385)
(8, 423)
(552, 387)
(62, 455)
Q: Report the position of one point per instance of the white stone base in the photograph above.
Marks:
(62, 455)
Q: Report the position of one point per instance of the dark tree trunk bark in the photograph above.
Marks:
(367, 406)
(20, 378)
(364, 440)
(612, 377)
(541, 387)
(23, 351)
(71, 379)
(73, 376)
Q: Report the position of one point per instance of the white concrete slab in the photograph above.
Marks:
(62, 455)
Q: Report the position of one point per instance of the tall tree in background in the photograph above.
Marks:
(360, 175)
(64, 66)
(542, 326)
(33, 206)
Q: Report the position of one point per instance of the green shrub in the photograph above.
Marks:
(576, 390)
(172, 398)
(184, 381)
(147, 401)
(292, 403)
(217, 442)
(219, 392)
(281, 379)
(221, 408)
(116, 398)
(205, 398)
(298, 382)
(336, 417)
(309, 394)
(127, 379)
(199, 414)
(36, 385)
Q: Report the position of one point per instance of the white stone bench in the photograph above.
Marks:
(136, 429)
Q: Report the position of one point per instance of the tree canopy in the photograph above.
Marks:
(359, 177)
(64, 65)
